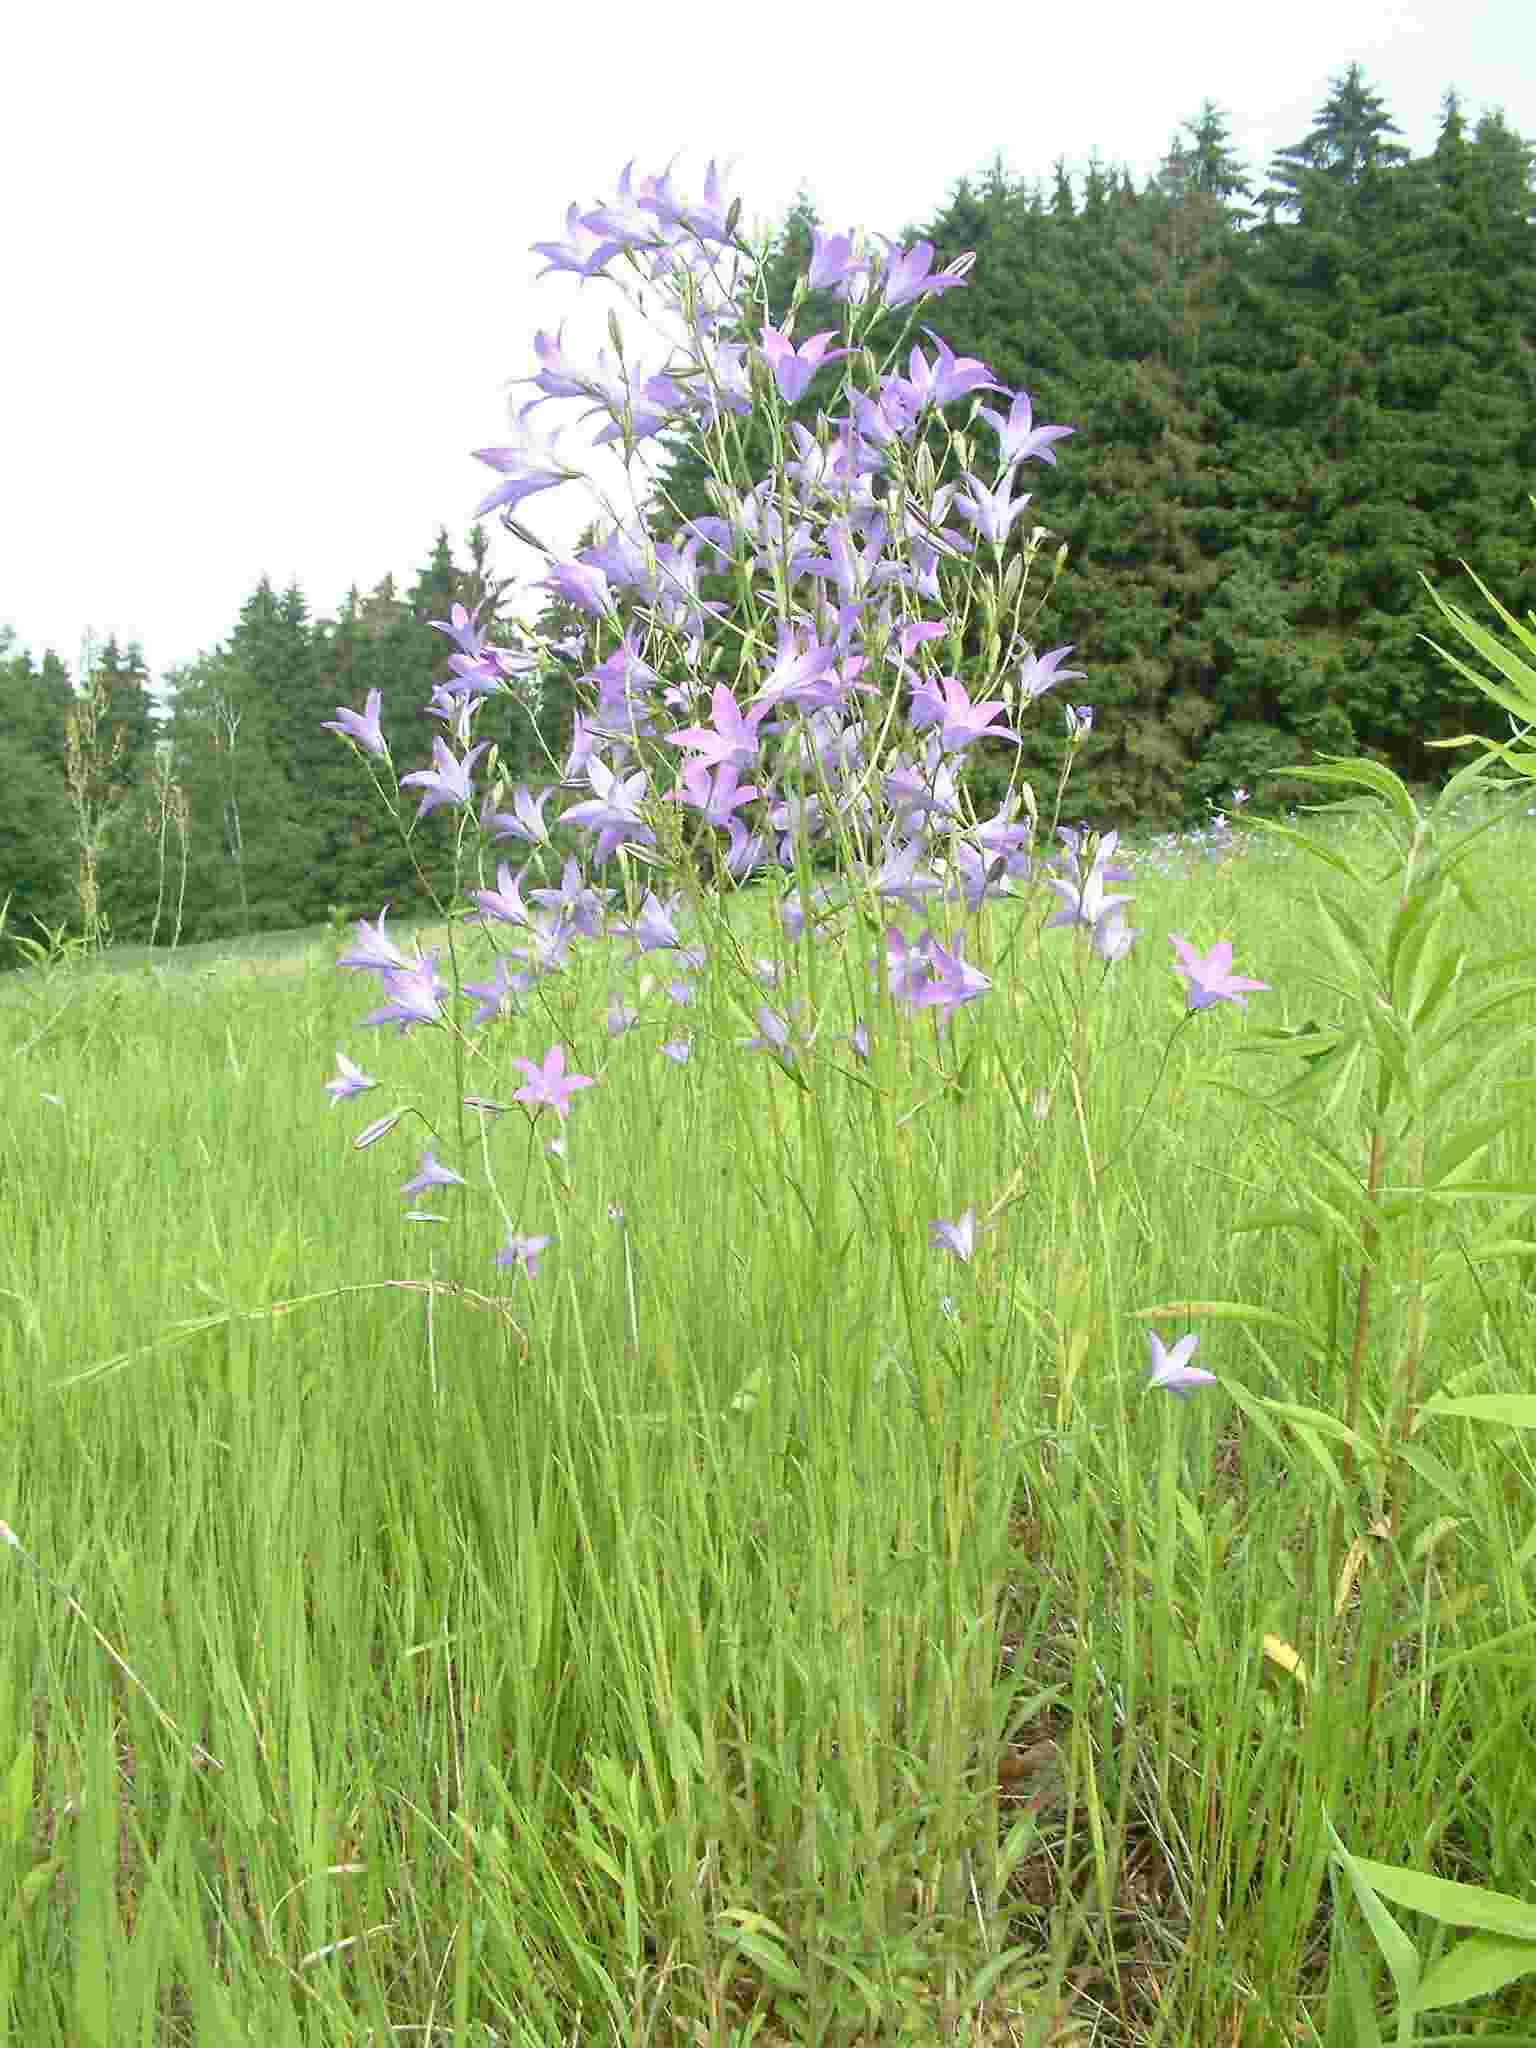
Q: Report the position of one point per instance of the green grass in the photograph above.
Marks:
(760, 1625)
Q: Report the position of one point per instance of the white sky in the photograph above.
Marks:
(265, 268)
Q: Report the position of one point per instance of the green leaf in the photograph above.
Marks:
(1439, 1476)
(1515, 1411)
(1327, 854)
(18, 1795)
(1476, 1966)
(1459, 1905)
(762, 1941)
(1350, 944)
(1320, 1420)
(1279, 1219)
(1360, 774)
(1475, 1137)
(1473, 1010)
(1401, 1957)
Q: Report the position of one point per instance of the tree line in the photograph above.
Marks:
(1293, 399)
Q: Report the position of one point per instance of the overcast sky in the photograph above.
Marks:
(266, 268)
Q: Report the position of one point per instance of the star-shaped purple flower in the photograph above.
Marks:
(362, 726)
(1172, 1371)
(432, 1174)
(350, 1080)
(525, 1252)
(549, 1086)
(415, 995)
(1211, 979)
(448, 782)
(958, 1237)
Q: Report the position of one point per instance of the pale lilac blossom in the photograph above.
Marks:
(549, 1086)
(432, 1174)
(448, 782)
(373, 950)
(415, 994)
(350, 1080)
(361, 726)
(526, 1252)
(1018, 436)
(1210, 978)
(958, 1237)
(1172, 1371)
(1042, 672)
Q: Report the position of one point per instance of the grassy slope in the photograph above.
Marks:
(759, 1604)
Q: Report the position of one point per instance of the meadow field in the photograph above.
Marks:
(760, 1615)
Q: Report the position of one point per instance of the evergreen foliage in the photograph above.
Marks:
(1296, 394)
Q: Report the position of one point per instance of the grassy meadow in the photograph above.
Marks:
(759, 1624)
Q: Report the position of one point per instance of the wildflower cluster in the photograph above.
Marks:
(839, 738)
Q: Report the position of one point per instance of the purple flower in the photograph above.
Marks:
(362, 726)
(549, 1086)
(523, 1251)
(583, 251)
(1112, 937)
(909, 274)
(531, 466)
(1172, 1370)
(1085, 899)
(496, 994)
(992, 512)
(778, 1034)
(713, 793)
(622, 1017)
(974, 876)
(832, 261)
(415, 995)
(548, 948)
(907, 967)
(350, 1080)
(1211, 979)
(432, 1175)
(653, 930)
(613, 812)
(373, 950)
(1042, 672)
(525, 820)
(679, 1050)
(900, 878)
(581, 585)
(793, 368)
(950, 377)
(448, 782)
(960, 721)
(1018, 437)
(579, 905)
(730, 739)
(1079, 721)
(504, 903)
(958, 1237)
(951, 982)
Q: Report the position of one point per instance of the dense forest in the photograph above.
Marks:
(1293, 398)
